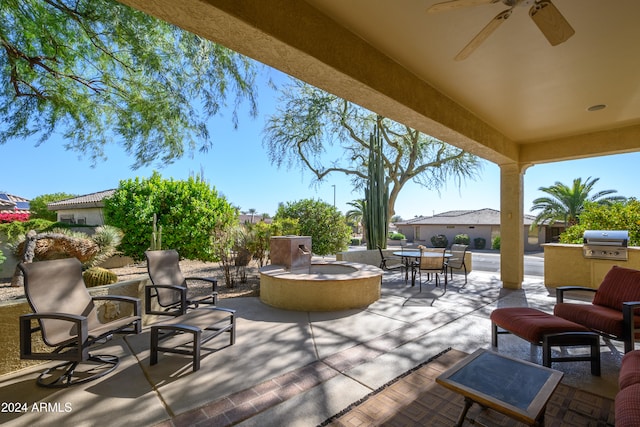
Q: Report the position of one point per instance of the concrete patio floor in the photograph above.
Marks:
(295, 368)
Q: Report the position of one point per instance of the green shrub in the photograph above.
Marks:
(440, 241)
(15, 230)
(461, 239)
(397, 236)
(496, 243)
(189, 212)
(618, 216)
(356, 241)
(479, 243)
(326, 226)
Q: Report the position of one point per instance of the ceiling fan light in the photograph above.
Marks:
(551, 23)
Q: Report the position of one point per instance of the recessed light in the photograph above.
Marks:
(597, 107)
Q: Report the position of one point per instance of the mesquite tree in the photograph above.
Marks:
(309, 122)
(97, 72)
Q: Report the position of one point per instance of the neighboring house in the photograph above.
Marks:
(484, 223)
(85, 209)
(13, 204)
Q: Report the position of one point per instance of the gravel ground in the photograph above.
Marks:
(189, 268)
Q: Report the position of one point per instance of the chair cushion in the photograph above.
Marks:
(531, 324)
(596, 317)
(630, 370)
(619, 285)
(627, 407)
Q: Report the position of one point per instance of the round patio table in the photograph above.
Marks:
(407, 255)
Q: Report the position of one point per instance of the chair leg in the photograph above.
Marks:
(66, 374)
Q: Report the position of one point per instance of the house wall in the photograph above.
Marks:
(91, 216)
(421, 234)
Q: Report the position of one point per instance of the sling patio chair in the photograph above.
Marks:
(393, 264)
(170, 288)
(432, 261)
(65, 317)
(456, 260)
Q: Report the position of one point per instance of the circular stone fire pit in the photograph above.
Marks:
(326, 286)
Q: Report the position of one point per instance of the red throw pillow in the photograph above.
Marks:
(619, 285)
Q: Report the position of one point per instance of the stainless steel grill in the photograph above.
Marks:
(606, 244)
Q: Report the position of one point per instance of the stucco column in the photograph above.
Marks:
(511, 225)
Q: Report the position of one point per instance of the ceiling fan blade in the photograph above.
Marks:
(550, 21)
(483, 35)
(457, 4)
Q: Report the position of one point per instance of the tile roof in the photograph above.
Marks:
(11, 203)
(93, 200)
(462, 217)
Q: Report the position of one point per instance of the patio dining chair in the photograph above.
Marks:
(65, 317)
(456, 260)
(169, 289)
(432, 261)
(392, 264)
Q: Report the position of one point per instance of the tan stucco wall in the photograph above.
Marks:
(336, 291)
(91, 216)
(10, 311)
(564, 265)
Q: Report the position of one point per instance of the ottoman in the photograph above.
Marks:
(547, 330)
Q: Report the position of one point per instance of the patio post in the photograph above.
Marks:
(512, 225)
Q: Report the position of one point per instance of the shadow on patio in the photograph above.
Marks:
(296, 368)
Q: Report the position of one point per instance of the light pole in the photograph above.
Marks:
(334, 195)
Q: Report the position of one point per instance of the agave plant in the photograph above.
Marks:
(108, 239)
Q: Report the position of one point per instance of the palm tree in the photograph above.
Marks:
(565, 203)
(356, 215)
(252, 211)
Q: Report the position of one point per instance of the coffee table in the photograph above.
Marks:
(515, 388)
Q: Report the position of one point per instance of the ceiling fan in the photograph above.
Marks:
(545, 14)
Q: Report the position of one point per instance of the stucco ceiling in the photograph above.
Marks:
(515, 81)
(515, 99)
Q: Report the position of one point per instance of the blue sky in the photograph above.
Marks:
(239, 168)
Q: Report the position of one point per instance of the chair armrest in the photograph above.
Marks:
(629, 309)
(81, 351)
(181, 307)
(228, 310)
(214, 282)
(55, 316)
(135, 302)
(628, 313)
(562, 289)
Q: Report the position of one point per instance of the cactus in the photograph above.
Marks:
(98, 276)
(156, 235)
(376, 195)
